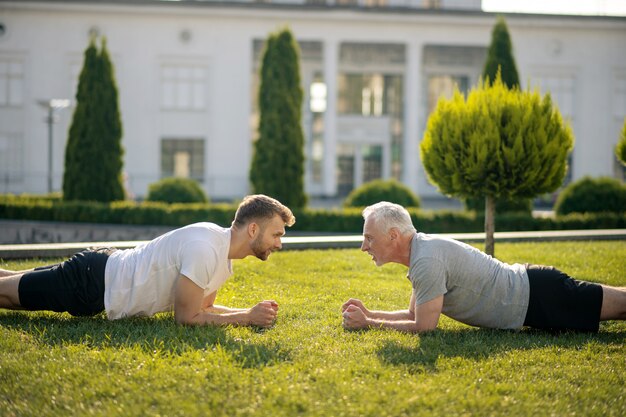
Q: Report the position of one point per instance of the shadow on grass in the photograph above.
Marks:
(160, 334)
(480, 344)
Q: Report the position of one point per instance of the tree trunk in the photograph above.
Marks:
(490, 224)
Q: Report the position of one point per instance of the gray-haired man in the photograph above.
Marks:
(458, 280)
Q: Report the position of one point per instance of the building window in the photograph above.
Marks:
(345, 168)
(450, 66)
(317, 92)
(443, 86)
(182, 158)
(183, 87)
(370, 94)
(561, 89)
(372, 162)
(315, 138)
(11, 157)
(371, 84)
(562, 93)
(11, 82)
(360, 57)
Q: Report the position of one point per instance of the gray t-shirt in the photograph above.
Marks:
(478, 290)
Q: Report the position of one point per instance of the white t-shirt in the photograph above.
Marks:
(142, 281)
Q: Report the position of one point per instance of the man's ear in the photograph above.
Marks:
(253, 229)
(394, 233)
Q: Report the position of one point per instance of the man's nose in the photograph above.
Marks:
(363, 246)
(278, 244)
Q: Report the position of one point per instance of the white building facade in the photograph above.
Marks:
(371, 71)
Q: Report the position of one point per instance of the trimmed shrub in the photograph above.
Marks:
(382, 190)
(592, 195)
(277, 167)
(500, 57)
(93, 154)
(177, 190)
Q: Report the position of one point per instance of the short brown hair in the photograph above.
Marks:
(261, 207)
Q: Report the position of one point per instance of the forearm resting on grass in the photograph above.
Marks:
(209, 306)
(191, 307)
(217, 309)
(392, 315)
(408, 314)
(409, 326)
(424, 318)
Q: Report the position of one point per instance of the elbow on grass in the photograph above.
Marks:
(185, 320)
(419, 329)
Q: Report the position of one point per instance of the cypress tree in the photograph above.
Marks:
(500, 56)
(277, 167)
(620, 149)
(499, 143)
(93, 156)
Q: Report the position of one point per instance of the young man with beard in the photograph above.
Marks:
(180, 270)
(452, 278)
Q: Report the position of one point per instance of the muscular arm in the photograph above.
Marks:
(208, 305)
(191, 307)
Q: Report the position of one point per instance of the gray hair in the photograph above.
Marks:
(389, 215)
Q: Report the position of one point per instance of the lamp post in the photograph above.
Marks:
(52, 105)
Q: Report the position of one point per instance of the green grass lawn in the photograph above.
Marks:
(307, 364)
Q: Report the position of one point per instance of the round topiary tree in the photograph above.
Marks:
(381, 190)
(497, 144)
(620, 149)
(177, 190)
(592, 195)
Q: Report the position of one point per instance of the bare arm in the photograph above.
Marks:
(190, 303)
(208, 305)
(426, 317)
(408, 314)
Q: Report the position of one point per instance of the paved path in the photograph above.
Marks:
(49, 250)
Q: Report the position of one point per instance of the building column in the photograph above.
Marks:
(331, 52)
(358, 165)
(412, 114)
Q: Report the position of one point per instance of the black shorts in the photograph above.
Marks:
(558, 302)
(75, 285)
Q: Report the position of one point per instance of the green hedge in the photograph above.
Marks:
(119, 212)
(592, 195)
(176, 190)
(382, 190)
(347, 220)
